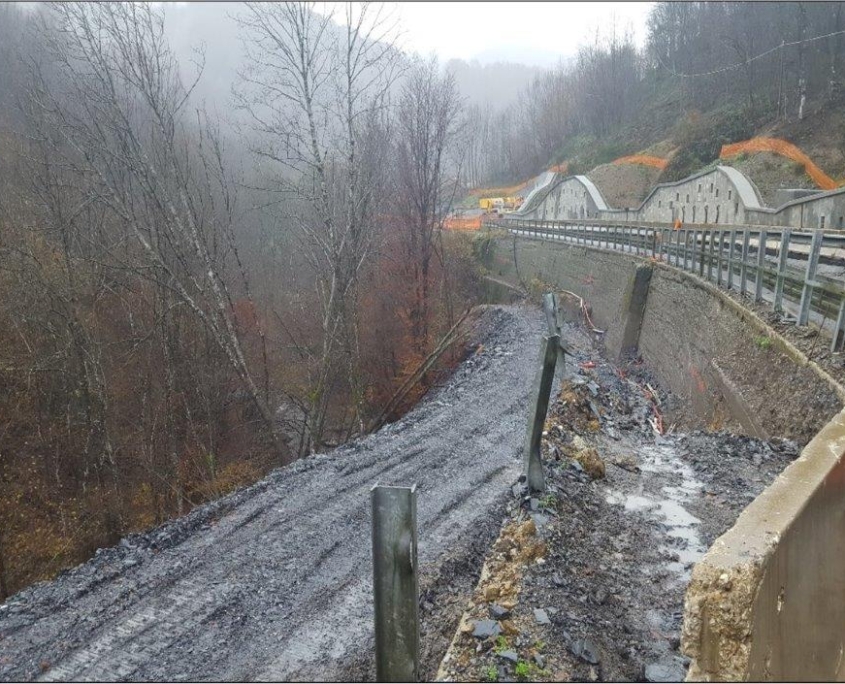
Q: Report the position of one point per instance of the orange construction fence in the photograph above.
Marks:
(463, 224)
(643, 160)
(563, 167)
(785, 149)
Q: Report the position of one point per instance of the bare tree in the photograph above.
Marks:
(312, 91)
(122, 109)
(428, 120)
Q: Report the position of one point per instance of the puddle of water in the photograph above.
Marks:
(669, 510)
(631, 502)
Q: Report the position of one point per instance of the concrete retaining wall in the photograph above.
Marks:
(725, 363)
(767, 602)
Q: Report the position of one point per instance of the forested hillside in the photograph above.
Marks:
(186, 304)
(711, 73)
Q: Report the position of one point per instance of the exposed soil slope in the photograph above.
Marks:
(624, 185)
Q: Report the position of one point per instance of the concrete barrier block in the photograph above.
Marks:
(767, 601)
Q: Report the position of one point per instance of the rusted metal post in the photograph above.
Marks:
(395, 583)
(539, 405)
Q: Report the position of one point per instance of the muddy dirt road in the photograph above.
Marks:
(273, 582)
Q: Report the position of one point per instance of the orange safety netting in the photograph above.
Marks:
(643, 160)
(499, 192)
(563, 167)
(463, 224)
(785, 149)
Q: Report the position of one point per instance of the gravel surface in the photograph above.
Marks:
(273, 582)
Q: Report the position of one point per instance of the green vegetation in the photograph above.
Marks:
(700, 139)
(763, 342)
(522, 670)
(501, 644)
(548, 501)
(492, 674)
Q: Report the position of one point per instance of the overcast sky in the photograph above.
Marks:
(528, 32)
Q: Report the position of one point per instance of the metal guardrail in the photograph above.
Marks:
(800, 273)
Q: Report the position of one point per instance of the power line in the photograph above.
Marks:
(749, 60)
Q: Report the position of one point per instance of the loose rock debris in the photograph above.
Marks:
(627, 511)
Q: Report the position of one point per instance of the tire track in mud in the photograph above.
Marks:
(274, 582)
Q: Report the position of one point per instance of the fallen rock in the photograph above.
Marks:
(509, 655)
(541, 616)
(665, 671)
(498, 612)
(484, 629)
(586, 650)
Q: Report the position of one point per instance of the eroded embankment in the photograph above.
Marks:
(587, 581)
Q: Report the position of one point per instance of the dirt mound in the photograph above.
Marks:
(624, 185)
(770, 173)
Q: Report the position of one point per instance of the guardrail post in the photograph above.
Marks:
(693, 250)
(702, 254)
(840, 321)
(395, 583)
(810, 278)
(550, 308)
(539, 405)
(743, 266)
(783, 258)
(712, 234)
(731, 250)
(761, 263)
(719, 254)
